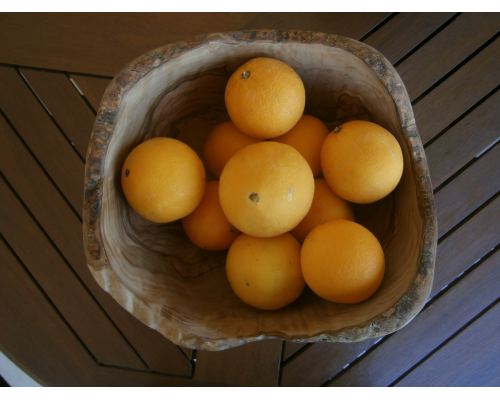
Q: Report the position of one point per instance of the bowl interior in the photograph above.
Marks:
(184, 286)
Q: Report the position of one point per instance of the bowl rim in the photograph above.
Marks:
(397, 316)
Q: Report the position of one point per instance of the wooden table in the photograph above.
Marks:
(58, 325)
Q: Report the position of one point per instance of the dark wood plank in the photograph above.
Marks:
(33, 333)
(65, 104)
(466, 245)
(64, 229)
(388, 361)
(455, 254)
(471, 188)
(102, 44)
(401, 34)
(56, 279)
(470, 359)
(447, 49)
(254, 364)
(290, 348)
(458, 93)
(42, 136)
(462, 142)
(92, 88)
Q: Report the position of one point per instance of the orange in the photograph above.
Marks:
(342, 262)
(265, 273)
(326, 206)
(266, 189)
(163, 179)
(223, 141)
(265, 97)
(361, 161)
(307, 137)
(207, 226)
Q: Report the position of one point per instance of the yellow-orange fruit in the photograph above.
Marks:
(207, 226)
(265, 97)
(223, 141)
(325, 207)
(342, 262)
(265, 272)
(163, 179)
(361, 161)
(266, 189)
(307, 137)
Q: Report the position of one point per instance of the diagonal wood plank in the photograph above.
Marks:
(91, 88)
(459, 92)
(325, 360)
(446, 50)
(405, 31)
(48, 335)
(473, 134)
(407, 347)
(102, 44)
(471, 188)
(64, 229)
(74, 303)
(65, 104)
(254, 364)
(42, 136)
(470, 359)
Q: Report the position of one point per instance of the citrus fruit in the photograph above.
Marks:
(361, 161)
(325, 206)
(342, 262)
(207, 226)
(266, 189)
(163, 179)
(307, 137)
(265, 272)
(223, 141)
(265, 97)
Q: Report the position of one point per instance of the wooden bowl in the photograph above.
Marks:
(153, 270)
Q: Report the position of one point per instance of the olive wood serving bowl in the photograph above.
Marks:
(154, 271)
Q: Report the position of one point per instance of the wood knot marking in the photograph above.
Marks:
(245, 75)
(127, 172)
(254, 197)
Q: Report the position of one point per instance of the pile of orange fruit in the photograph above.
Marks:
(281, 199)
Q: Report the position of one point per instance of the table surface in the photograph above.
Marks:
(59, 326)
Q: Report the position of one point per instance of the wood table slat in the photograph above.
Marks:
(254, 364)
(470, 359)
(405, 31)
(40, 334)
(459, 92)
(74, 303)
(446, 50)
(470, 189)
(401, 351)
(46, 348)
(290, 348)
(65, 104)
(64, 229)
(474, 239)
(465, 140)
(41, 135)
(91, 87)
(102, 44)
(456, 254)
